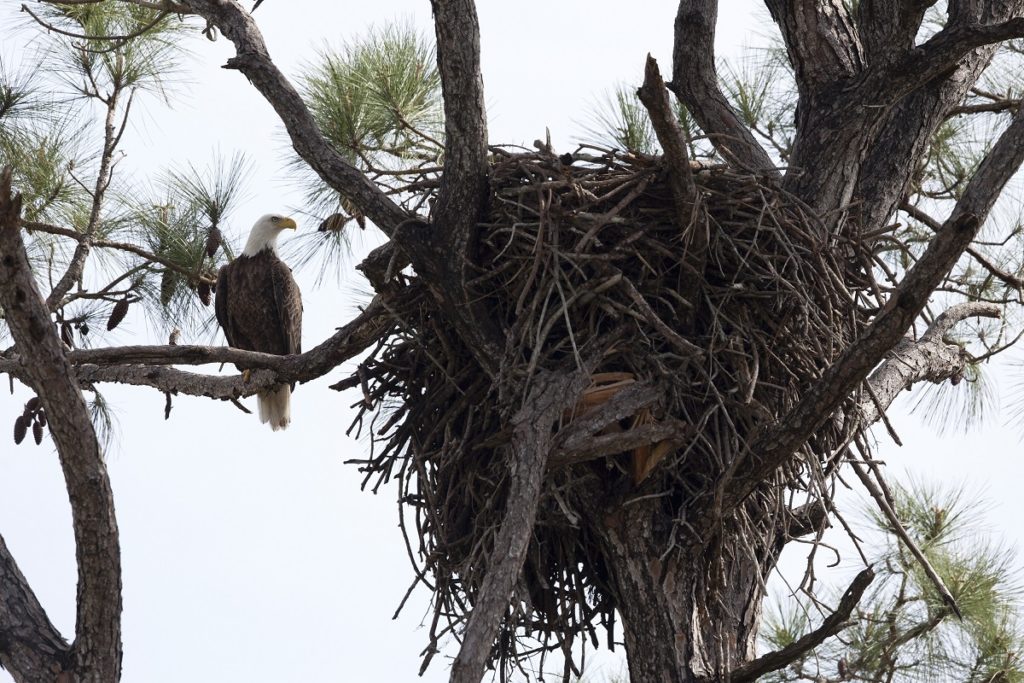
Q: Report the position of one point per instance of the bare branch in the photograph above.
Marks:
(253, 60)
(833, 623)
(695, 83)
(999, 273)
(441, 251)
(97, 649)
(31, 649)
(666, 126)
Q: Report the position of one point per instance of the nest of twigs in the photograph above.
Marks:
(732, 315)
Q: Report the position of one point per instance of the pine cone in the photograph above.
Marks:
(32, 405)
(203, 290)
(213, 241)
(168, 282)
(37, 432)
(117, 314)
(20, 429)
(41, 418)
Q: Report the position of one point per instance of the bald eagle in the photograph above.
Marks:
(259, 307)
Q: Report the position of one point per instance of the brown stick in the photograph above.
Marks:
(833, 623)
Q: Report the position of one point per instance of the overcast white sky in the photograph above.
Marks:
(251, 555)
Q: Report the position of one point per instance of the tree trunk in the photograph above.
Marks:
(691, 616)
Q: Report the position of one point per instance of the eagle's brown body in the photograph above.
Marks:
(259, 307)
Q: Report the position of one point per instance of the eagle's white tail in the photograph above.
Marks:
(275, 406)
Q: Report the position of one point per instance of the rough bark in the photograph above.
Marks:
(96, 653)
(31, 648)
(695, 82)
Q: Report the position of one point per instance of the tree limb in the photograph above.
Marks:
(695, 83)
(441, 252)
(253, 60)
(97, 647)
(833, 623)
(532, 434)
(31, 648)
(143, 365)
(888, 327)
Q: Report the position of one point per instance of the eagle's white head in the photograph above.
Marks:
(264, 233)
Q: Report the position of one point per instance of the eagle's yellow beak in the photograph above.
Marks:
(288, 224)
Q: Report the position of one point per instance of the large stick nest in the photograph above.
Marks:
(730, 316)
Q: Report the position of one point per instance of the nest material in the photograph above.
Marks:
(574, 255)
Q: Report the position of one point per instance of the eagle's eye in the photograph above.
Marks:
(275, 219)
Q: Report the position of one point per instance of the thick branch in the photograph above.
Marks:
(144, 365)
(31, 649)
(97, 648)
(888, 29)
(833, 623)
(442, 251)
(886, 330)
(939, 56)
(532, 429)
(821, 39)
(695, 83)
(253, 60)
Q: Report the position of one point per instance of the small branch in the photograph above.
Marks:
(833, 623)
(31, 648)
(999, 273)
(695, 83)
(33, 226)
(901, 533)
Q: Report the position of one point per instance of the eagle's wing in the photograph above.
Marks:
(220, 304)
(288, 299)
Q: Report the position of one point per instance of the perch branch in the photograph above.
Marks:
(833, 623)
(97, 648)
(145, 365)
(695, 83)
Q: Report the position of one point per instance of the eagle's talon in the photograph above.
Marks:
(246, 375)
